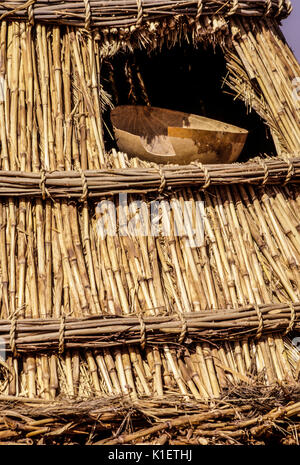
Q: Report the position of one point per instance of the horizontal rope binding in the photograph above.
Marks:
(107, 14)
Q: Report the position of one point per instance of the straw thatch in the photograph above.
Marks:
(243, 417)
(111, 13)
(62, 280)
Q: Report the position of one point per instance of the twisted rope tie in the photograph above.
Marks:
(31, 13)
(12, 335)
(234, 8)
(183, 332)
(143, 330)
(290, 172)
(199, 10)
(61, 335)
(13, 330)
(266, 172)
(163, 181)
(85, 191)
(292, 319)
(139, 18)
(206, 174)
(260, 322)
(268, 8)
(280, 8)
(88, 15)
(43, 185)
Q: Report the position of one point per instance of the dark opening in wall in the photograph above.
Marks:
(185, 79)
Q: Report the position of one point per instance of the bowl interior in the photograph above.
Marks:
(148, 122)
(156, 132)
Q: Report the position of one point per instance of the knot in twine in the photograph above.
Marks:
(42, 182)
(61, 335)
(43, 187)
(88, 15)
(268, 8)
(163, 181)
(183, 332)
(31, 13)
(266, 172)
(290, 172)
(234, 8)
(139, 17)
(84, 182)
(280, 8)
(199, 10)
(292, 319)
(207, 177)
(143, 330)
(13, 329)
(260, 322)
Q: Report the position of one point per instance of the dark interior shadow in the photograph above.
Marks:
(190, 80)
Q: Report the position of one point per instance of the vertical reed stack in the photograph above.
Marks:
(55, 263)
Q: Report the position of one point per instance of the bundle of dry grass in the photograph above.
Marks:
(134, 12)
(249, 416)
(93, 184)
(46, 335)
(54, 263)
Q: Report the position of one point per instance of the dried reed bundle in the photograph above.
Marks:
(112, 13)
(32, 335)
(96, 184)
(248, 416)
(261, 72)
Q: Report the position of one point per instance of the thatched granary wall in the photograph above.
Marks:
(71, 300)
